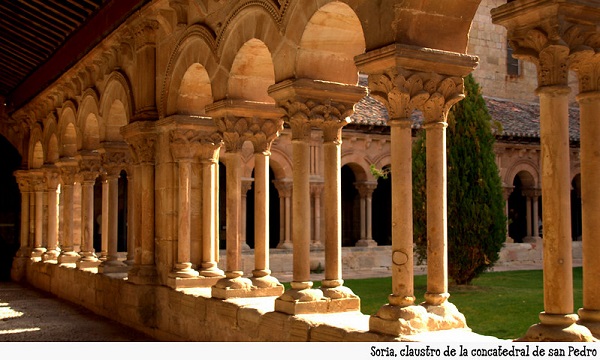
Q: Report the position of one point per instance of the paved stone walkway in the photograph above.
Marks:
(27, 314)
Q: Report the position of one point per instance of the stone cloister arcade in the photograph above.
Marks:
(267, 86)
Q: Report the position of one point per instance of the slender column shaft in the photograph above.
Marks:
(528, 216)
(31, 224)
(589, 105)
(52, 220)
(234, 196)
(68, 217)
(147, 213)
(402, 218)
(39, 221)
(437, 236)
(301, 215)
(369, 217)
(288, 219)
(106, 218)
(184, 214)
(536, 228)
(261, 214)
(209, 230)
(554, 133)
(363, 217)
(112, 226)
(215, 207)
(333, 209)
(87, 218)
(281, 219)
(131, 234)
(24, 237)
(506, 214)
(317, 224)
(137, 215)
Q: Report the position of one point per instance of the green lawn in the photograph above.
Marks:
(500, 304)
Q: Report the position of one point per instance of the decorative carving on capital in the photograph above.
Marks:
(316, 188)
(365, 189)
(532, 193)
(298, 118)
(38, 182)
(23, 180)
(246, 185)
(331, 117)
(506, 191)
(114, 162)
(143, 148)
(90, 169)
(234, 131)
(284, 188)
(52, 178)
(262, 133)
(444, 92)
(400, 91)
(68, 173)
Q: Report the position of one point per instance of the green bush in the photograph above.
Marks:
(476, 220)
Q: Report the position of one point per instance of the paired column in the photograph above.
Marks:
(39, 187)
(68, 167)
(89, 169)
(589, 107)
(547, 45)
(141, 137)
(366, 213)
(401, 77)
(284, 188)
(24, 182)
(531, 197)
(52, 182)
(316, 190)
(246, 186)
(507, 190)
(310, 103)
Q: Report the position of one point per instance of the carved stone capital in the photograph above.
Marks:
(239, 121)
(23, 180)
(284, 188)
(115, 158)
(52, 174)
(532, 193)
(90, 167)
(401, 91)
(38, 181)
(246, 185)
(316, 188)
(309, 103)
(68, 170)
(365, 189)
(443, 92)
(143, 148)
(506, 191)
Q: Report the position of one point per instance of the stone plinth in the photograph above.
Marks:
(192, 282)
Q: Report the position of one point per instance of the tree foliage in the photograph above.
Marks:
(476, 220)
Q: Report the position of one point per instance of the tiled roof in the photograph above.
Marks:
(519, 120)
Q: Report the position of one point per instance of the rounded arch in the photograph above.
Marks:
(195, 91)
(53, 152)
(528, 172)
(251, 73)
(89, 122)
(69, 141)
(91, 132)
(197, 45)
(281, 163)
(358, 165)
(331, 39)
(36, 148)
(116, 105)
(242, 36)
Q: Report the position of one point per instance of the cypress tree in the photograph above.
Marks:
(476, 220)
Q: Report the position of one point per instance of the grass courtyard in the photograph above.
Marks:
(500, 304)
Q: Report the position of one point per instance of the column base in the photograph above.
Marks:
(143, 275)
(268, 285)
(232, 287)
(51, 256)
(341, 298)
(245, 246)
(192, 282)
(68, 259)
(558, 328)
(591, 320)
(444, 316)
(366, 243)
(212, 272)
(112, 267)
(88, 263)
(103, 256)
(396, 320)
(37, 253)
(183, 271)
(316, 246)
(531, 239)
(302, 301)
(285, 245)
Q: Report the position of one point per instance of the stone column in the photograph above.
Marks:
(183, 149)
(210, 232)
(89, 169)
(266, 125)
(104, 218)
(68, 168)
(39, 186)
(24, 182)
(312, 103)
(232, 125)
(246, 186)
(110, 218)
(52, 182)
(507, 190)
(532, 196)
(284, 187)
(404, 78)
(141, 137)
(589, 105)
(316, 190)
(131, 216)
(537, 34)
(365, 190)
(536, 217)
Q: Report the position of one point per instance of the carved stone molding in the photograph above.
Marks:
(311, 103)
(401, 92)
(365, 189)
(23, 180)
(262, 133)
(143, 148)
(52, 177)
(443, 92)
(68, 171)
(90, 167)
(144, 33)
(284, 188)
